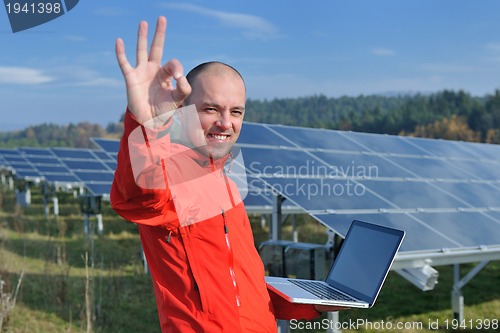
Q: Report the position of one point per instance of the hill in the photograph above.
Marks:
(454, 115)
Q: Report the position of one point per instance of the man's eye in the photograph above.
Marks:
(211, 110)
(237, 113)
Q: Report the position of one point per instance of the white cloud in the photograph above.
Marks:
(23, 76)
(100, 82)
(253, 27)
(383, 52)
(85, 77)
(493, 46)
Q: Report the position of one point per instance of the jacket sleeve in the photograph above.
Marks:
(130, 196)
(285, 310)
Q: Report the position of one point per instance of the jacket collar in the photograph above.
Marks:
(203, 160)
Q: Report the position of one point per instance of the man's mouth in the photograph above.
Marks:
(219, 137)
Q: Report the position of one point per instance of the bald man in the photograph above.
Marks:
(206, 271)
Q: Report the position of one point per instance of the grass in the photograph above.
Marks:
(52, 295)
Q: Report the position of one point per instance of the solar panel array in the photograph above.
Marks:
(444, 194)
(63, 167)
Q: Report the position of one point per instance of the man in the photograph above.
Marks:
(207, 274)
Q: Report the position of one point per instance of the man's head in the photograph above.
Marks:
(218, 91)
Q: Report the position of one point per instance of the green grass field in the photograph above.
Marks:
(55, 286)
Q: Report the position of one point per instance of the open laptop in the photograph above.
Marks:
(356, 276)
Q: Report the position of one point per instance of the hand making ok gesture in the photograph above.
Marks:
(150, 91)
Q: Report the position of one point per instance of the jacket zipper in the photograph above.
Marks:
(231, 261)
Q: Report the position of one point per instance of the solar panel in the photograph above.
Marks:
(415, 229)
(73, 153)
(108, 145)
(16, 159)
(111, 165)
(257, 134)
(441, 192)
(382, 143)
(19, 165)
(360, 165)
(442, 148)
(93, 168)
(77, 165)
(87, 176)
(280, 161)
(35, 151)
(313, 138)
(43, 160)
(61, 178)
(9, 151)
(483, 150)
(28, 174)
(99, 189)
(103, 156)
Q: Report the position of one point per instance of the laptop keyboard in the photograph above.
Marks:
(322, 291)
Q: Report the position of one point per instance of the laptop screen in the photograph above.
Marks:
(362, 263)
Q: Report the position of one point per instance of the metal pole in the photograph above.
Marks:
(86, 224)
(333, 319)
(55, 200)
(276, 219)
(100, 226)
(457, 299)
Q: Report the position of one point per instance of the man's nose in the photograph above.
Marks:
(224, 121)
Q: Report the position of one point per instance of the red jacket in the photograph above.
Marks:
(207, 276)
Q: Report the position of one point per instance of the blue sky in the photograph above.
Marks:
(65, 70)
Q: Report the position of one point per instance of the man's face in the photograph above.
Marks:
(220, 102)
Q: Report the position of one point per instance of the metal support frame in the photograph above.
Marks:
(45, 191)
(275, 234)
(457, 298)
(283, 325)
(91, 205)
(333, 318)
(55, 201)
(23, 193)
(277, 218)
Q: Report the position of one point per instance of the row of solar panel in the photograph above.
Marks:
(63, 166)
(279, 136)
(444, 193)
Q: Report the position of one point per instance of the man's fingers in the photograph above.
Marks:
(156, 51)
(121, 57)
(182, 90)
(174, 69)
(142, 43)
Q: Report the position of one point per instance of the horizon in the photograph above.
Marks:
(4, 128)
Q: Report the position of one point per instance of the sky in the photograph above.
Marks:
(65, 70)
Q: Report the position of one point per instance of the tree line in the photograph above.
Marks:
(453, 115)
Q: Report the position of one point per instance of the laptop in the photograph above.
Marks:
(356, 276)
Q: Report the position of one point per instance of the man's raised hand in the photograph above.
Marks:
(150, 91)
